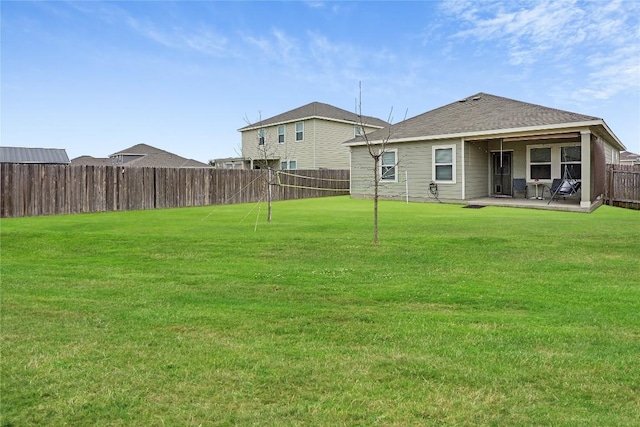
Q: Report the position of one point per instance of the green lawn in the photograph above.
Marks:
(212, 316)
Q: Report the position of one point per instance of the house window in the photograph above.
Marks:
(388, 166)
(570, 160)
(281, 130)
(299, 131)
(290, 164)
(261, 137)
(357, 130)
(444, 163)
(540, 163)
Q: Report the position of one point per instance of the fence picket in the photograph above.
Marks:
(34, 190)
(623, 186)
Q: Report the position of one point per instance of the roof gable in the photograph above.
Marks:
(479, 113)
(143, 155)
(316, 110)
(91, 161)
(140, 149)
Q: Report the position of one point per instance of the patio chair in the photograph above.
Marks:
(520, 185)
(563, 188)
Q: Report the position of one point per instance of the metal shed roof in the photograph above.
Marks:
(33, 155)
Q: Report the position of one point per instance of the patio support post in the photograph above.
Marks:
(585, 155)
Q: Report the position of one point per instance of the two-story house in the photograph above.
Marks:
(308, 137)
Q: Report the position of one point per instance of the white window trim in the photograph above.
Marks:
(571, 162)
(395, 165)
(529, 148)
(284, 134)
(288, 164)
(556, 160)
(453, 163)
(296, 131)
(357, 130)
(261, 136)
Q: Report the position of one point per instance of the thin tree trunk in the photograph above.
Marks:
(269, 195)
(375, 200)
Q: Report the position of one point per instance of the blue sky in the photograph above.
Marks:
(98, 77)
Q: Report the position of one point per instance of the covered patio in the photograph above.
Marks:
(540, 161)
(569, 205)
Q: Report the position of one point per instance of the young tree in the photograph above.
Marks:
(268, 152)
(376, 151)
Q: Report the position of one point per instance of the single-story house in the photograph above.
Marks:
(477, 146)
(141, 155)
(50, 156)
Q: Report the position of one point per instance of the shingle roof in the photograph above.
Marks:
(148, 157)
(155, 157)
(478, 113)
(316, 110)
(629, 156)
(141, 149)
(33, 155)
(91, 161)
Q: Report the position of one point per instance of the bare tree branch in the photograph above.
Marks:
(376, 151)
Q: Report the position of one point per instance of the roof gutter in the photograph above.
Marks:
(301, 119)
(530, 130)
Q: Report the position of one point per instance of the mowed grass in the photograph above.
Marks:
(212, 316)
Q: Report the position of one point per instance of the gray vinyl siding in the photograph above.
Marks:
(611, 154)
(476, 169)
(330, 153)
(320, 148)
(414, 165)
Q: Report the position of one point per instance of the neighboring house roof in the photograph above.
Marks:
(33, 155)
(91, 161)
(316, 110)
(141, 155)
(629, 157)
(481, 113)
(148, 156)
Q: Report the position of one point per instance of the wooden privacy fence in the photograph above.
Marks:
(35, 189)
(622, 187)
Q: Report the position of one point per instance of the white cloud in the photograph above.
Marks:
(203, 40)
(599, 39)
(275, 48)
(315, 4)
(286, 45)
